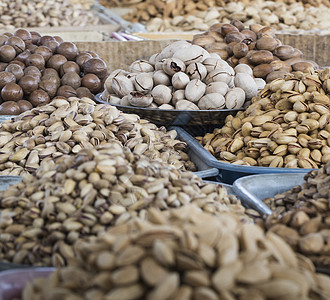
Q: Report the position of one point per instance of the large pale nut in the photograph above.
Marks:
(261, 57)
(186, 105)
(139, 99)
(243, 68)
(162, 94)
(108, 81)
(173, 65)
(194, 90)
(266, 43)
(262, 70)
(284, 52)
(160, 77)
(140, 66)
(235, 98)
(192, 54)
(196, 71)
(122, 85)
(219, 75)
(169, 50)
(113, 100)
(143, 82)
(166, 106)
(217, 87)
(180, 80)
(212, 63)
(178, 95)
(260, 83)
(247, 83)
(276, 75)
(124, 101)
(155, 58)
(212, 101)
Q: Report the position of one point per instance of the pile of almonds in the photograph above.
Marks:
(184, 254)
(255, 46)
(301, 216)
(68, 126)
(185, 77)
(38, 68)
(80, 196)
(191, 15)
(287, 125)
(43, 13)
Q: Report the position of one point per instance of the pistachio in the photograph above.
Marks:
(173, 65)
(196, 71)
(122, 86)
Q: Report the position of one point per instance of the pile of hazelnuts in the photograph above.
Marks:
(35, 69)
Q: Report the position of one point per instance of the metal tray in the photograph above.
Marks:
(6, 181)
(174, 116)
(13, 282)
(230, 172)
(6, 117)
(197, 155)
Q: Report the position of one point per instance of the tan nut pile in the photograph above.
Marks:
(287, 125)
(255, 46)
(184, 254)
(42, 13)
(80, 196)
(67, 126)
(185, 77)
(302, 216)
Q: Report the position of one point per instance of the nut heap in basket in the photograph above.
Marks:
(34, 69)
(184, 77)
(287, 125)
(184, 254)
(66, 126)
(255, 46)
(45, 215)
(301, 216)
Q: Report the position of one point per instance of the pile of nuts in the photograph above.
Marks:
(302, 218)
(66, 126)
(43, 13)
(38, 68)
(287, 125)
(80, 196)
(184, 77)
(184, 254)
(255, 46)
(170, 16)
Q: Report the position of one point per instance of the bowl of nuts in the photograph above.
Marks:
(182, 85)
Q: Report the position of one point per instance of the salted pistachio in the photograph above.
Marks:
(235, 98)
(161, 94)
(122, 86)
(194, 90)
(212, 101)
(180, 80)
(143, 83)
(173, 65)
(160, 77)
(192, 54)
(196, 71)
(217, 87)
(140, 66)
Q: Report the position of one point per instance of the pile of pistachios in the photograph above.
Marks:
(287, 125)
(66, 126)
(302, 216)
(83, 195)
(184, 77)
(184, 254)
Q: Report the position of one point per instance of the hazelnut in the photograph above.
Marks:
(52, 45)
(23, 56)
(17, 43)
(84, 92)
(68, 50)
(7, 53)
(72, 79)
(49, 86)
(3, 39)
(28, 83)
(36, 60)
(96, 66)
(25, 35)
(66, 91)
(33, 71)
(24, 105)
(69, 66)
(44, 51)
(56, 61)
(92, 82)
(39, 97)
(16, 70)
(44, 39)
(11, 92)
(58, 39)
(35, 37)
(5, 78)
(9, 108)
(82, 58)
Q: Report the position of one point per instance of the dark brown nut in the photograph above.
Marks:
(16, 70)
(245, 60)
(261, 57)
(72, 79)
(250, 43)
(36, 60)
(255, 28)
(266, 31)
(275, 74)
(58, 39)
(279, 64)
(96, 66)
(24, 105)
(25, 35)
(17, 62)
(238, 24)
(17, 43)
(284, 52)
(232, 61)
(234, 36)
(93, 54)
(82, 58)
(68, 50)
(84, 92)
(66, 91)
(49, 72)
(9, 108)
(302, 66)
(52, 45)
(49, 86)
(69, 66)
(3, 66)
(33, 71)
(5, 78)
(44, 39)
(28, 83)
(32, 48)
(7, 53)
(56, 61)
(35, 36)
(39, 97)
(55, 79)
(216, 26)
(230, 48)
(11, 92)
(3, 39)
(266, 43)
(226, 28)
(240, 50)
(23, 56)
(249, 34)
(92, 82)
(45, 52)
(297, 53)
(261, 71)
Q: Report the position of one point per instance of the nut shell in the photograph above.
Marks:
(11, 92)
